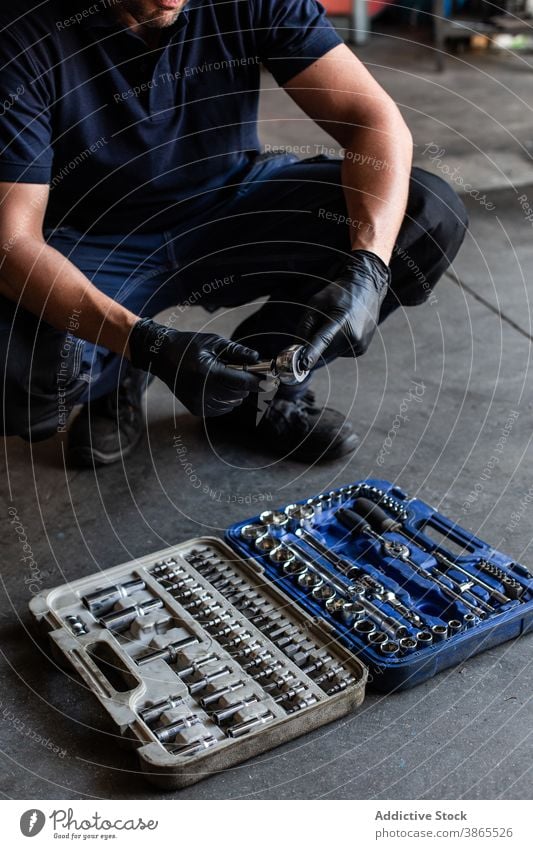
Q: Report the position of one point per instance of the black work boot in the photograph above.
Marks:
(295, 429)
(109, 428)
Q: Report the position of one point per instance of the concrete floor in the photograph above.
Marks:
(467, 732)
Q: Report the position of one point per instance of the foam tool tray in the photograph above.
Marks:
(410, 592)
(199, 660)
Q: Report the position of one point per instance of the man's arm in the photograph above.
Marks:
(344, 99)
(45, 282)
(193, 365)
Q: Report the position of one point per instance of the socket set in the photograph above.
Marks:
(199, 659)
(407, 590)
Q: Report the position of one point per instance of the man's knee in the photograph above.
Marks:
(34, 402)
(440, 210)
(32, 418)
(431, 235)
(32, 422)
(30, 429)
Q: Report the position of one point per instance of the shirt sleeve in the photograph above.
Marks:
(291, 35)
(25, 116)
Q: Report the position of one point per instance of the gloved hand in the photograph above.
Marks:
(192, 366)
(341, 319)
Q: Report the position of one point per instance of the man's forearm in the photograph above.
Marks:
(48, 285)
(375, 179)
(342, 97)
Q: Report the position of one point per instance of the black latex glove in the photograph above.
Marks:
(193, 366)
(341, 319)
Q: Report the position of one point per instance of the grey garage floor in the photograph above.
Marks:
(466, 733)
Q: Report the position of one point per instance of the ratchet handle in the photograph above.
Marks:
(351, 520)
(375, 515)
(262, 367)
(285, 368)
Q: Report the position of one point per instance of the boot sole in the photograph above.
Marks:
(346, 446)
(298, 454)
(86, 457)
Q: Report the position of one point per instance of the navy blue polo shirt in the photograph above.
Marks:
(129, 136)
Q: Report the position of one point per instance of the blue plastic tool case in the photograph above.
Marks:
(409, 570)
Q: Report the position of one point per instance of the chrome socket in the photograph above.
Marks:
(195, 747)
(324, 593)
(364, 627)
(266, 544)
(424, 638)
(169, 732)
(469, 620)
(170, 564)
(377, 638)
(309, 580)
(276, 522)
(345, 493)
(253, 532)
(408, 645)
(104, 599)
(389, 649)
(455, 626)
(294, 568)
(440, 633)
(282, 557)
(352, 611)
(325, 501)
(300, 516)
(76, 625)
(249, 724)
(335, 605)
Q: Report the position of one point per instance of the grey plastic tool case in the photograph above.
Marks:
(168, 707)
